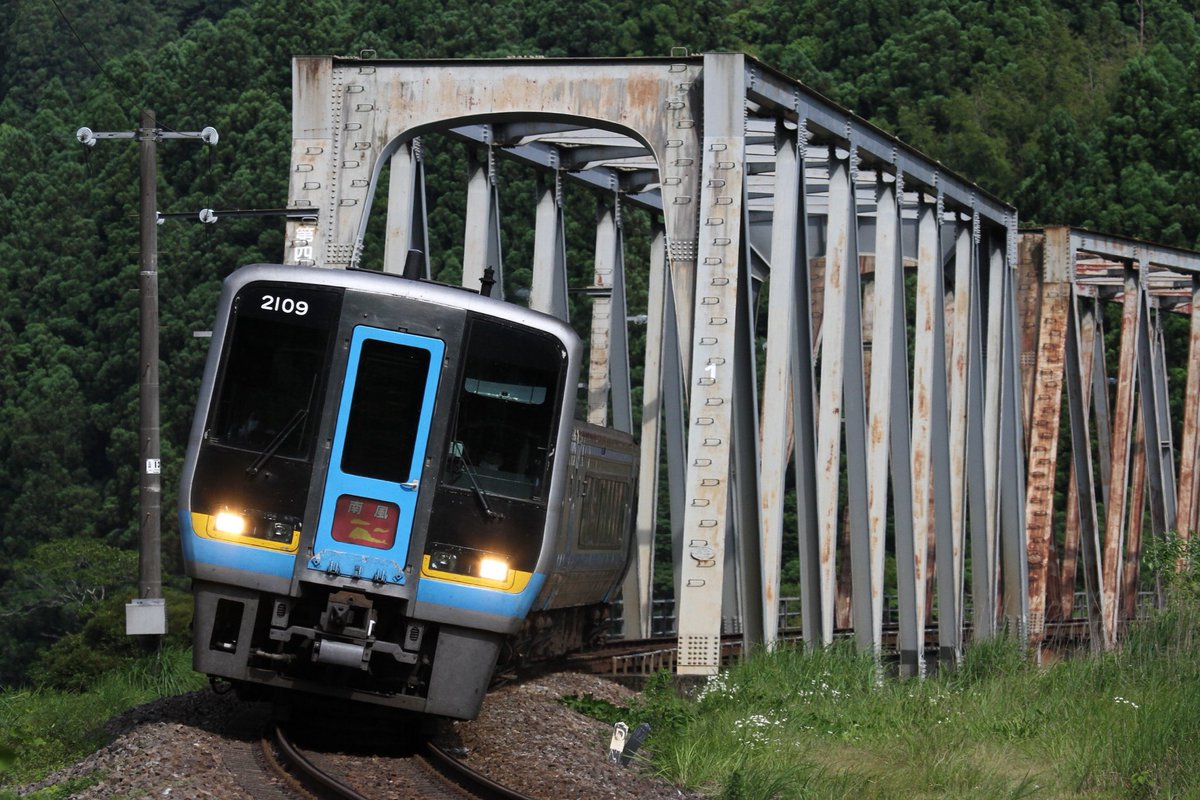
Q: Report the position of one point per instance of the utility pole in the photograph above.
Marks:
(147, 614)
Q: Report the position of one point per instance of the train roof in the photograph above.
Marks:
(398, 286)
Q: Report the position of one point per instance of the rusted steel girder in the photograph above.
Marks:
(1189, 475)
(1114, 529)
(1084, 355)
(1047, 410)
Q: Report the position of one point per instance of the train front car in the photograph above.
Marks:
(369, 482)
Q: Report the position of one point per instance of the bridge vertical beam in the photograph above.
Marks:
(911, 624)
(888, 344)
(309, 185)
(834, 332)
(1057, 267)
(976, 452)
(925, 374)
(1082, 495)
(854, 402)
(744, 441)
(1104, 431)
(1189, 474)
(618, 362)
(548, 292)
(985, 553)
(481, 251)
(1013, 541)
(604, 347)
(931, 454)
(1136, 518)
(790, 255)
(674, 418)
(1160, 445)
(1114, 532)
(963, 360)
(407, 220)
(787, 236)
(718, 284)
(947, 545)
(638, 589)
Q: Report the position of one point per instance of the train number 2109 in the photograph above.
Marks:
(287, 305)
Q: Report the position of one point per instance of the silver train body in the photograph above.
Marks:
(386, 492)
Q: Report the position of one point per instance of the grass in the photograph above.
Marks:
(800, 724)
(43, 730)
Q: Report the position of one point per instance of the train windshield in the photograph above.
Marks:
(272, 372)
(507, 406)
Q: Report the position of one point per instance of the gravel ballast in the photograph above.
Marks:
(201, 745)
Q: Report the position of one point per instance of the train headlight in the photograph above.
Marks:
(443, 561)
(229, 522)
(493, 569)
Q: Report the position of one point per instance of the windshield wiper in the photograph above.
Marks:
(479, 493)
(276, 443)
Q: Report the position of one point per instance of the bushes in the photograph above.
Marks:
(76, 661)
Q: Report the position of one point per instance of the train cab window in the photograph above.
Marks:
(272, 376)
(507, 407)
(386, 410)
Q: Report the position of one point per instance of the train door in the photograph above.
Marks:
(379, 445)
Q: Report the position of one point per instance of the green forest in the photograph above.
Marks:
(1077, 112)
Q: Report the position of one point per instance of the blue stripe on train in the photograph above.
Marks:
(199, 550)
(479, 598)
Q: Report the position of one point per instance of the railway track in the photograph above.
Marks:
(639, 658)
(428, 772)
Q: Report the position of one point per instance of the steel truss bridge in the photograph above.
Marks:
(909, 385)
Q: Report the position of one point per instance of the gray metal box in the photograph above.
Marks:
(146, 616)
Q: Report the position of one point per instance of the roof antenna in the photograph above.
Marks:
(487, 282)
(414, 265)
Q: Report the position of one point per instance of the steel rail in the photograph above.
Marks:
(313, 778)
(479, 785)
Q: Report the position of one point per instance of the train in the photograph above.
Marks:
(387, 495)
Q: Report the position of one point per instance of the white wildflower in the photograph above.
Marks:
(756, 729)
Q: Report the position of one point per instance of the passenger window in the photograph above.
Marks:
(385, 412)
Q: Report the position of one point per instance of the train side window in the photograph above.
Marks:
(385, 412)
